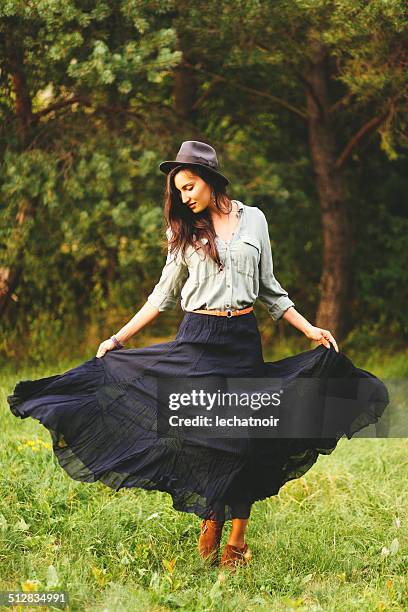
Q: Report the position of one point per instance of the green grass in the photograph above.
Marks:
(320, 544)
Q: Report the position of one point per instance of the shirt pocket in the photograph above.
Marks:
(248, 255)
(207, 269)
(201, 266)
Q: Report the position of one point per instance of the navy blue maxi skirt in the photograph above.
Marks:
(103, 416)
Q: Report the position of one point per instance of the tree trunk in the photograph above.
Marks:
(333, 311)
(10, 275)
(184, 91)
(185, 79)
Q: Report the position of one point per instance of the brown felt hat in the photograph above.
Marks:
(194, 153)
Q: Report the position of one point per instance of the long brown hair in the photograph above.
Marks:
(188, 228)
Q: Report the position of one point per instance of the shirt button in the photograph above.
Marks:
(228, 285)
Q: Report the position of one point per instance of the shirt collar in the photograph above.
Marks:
(240, 210)
(240, 205)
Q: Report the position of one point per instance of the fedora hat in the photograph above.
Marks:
(194, 153)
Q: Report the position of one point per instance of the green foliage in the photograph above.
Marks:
(82, 171)
(381, 280)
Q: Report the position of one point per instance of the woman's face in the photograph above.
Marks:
(194, 191)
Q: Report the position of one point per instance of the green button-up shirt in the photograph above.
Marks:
(247, 272)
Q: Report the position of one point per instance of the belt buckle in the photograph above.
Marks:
(229, 313)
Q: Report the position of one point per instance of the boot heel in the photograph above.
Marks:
(209, 541)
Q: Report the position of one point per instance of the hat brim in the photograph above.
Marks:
(166, 166)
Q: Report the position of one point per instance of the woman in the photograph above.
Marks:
(106, 417)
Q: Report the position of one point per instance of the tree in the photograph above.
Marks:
(338, 67)
(66, 71)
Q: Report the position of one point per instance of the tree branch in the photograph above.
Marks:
(86, 102)
(340, 102)
(60, 104)
(263, 94)
(307, 85)
(353, 142)
(207, 92)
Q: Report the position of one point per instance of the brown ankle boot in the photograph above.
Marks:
(234, 556)
(209, 541)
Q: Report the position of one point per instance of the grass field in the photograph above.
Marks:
(335, 539)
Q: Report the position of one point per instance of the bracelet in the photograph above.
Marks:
(116, 342)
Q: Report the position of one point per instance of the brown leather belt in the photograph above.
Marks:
(225, 313)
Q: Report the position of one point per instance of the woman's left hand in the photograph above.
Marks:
(322, 336)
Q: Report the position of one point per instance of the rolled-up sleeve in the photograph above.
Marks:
(271, 292)
(167, 291)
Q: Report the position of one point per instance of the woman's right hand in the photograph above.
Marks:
(105, 346)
